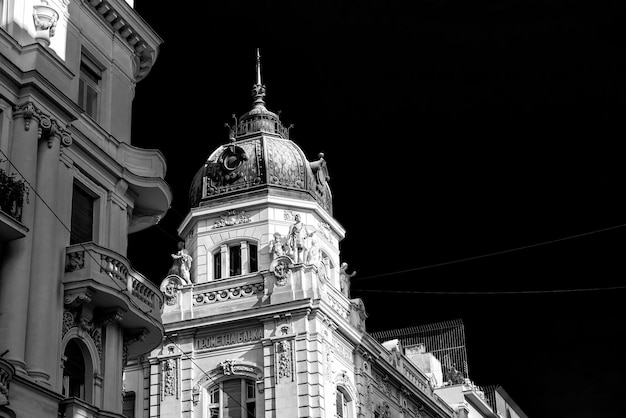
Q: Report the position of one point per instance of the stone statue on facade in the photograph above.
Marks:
(297, 240)
(182, 263)
(277, 246)
(344, 279)
(313, 253)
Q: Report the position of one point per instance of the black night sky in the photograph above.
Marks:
(455, 133)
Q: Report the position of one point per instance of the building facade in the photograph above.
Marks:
(439, 351)
(72, 308)
(258, 315)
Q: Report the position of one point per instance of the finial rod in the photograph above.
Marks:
(258, 66)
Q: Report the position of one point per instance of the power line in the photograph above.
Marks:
(495, 292)
(461, 260)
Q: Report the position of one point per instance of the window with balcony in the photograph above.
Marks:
(89, 86)
(235, 259)
(235, 398)
(82, 227)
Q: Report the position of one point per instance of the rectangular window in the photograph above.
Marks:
(82, 216)
(232, 398)
(254, 263)
(128, 405)
(250, 401)
(89, 84)
(339, 404)
(235, 260)
(217, 265)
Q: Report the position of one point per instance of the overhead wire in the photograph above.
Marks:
(462, 260)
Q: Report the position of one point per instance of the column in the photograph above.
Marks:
(225, 254)
(245, 258)
(44, 308)
(15, 267)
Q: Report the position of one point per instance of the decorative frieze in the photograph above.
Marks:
(221, 295)
(338, 307)
(343, 351)
(232, 217)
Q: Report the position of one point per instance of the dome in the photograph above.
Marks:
(260, 157)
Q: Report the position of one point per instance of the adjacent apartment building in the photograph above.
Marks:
(72, 187)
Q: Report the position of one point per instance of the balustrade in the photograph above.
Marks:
(110, 269)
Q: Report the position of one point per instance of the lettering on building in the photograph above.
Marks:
(231, 338)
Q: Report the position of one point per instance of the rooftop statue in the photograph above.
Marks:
(297, 240)
(182, 263)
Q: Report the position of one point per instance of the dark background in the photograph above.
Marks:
(452, 130)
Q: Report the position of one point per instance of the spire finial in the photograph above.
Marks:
(258, 90)
(258, 66)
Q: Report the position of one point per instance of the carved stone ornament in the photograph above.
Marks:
(75, 299)
(169, 369)
(170, 287)
(284, 360)
(228, 366)
(7, 371)
(232, 217)
(281, 268)
(69, 321)
(45, 19)
(48, 127)
(74, 261)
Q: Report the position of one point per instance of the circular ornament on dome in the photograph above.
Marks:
(232, 158)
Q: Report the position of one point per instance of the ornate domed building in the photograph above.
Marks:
(260, 158)
(259, 319)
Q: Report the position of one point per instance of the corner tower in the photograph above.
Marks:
(246, 197)
(258, 316)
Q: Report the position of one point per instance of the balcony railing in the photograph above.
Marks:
(89, 261)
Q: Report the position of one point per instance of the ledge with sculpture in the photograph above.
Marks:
(107, 280)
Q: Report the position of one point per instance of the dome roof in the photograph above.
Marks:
(260, 156)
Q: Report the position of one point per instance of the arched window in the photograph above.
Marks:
(74, 371)
(343, 404)
(235, 259)
(234, 398)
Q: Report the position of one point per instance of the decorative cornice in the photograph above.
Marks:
(120, 22)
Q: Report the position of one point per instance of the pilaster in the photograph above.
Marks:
(44, 303)
(16, 268)
(113, 365)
